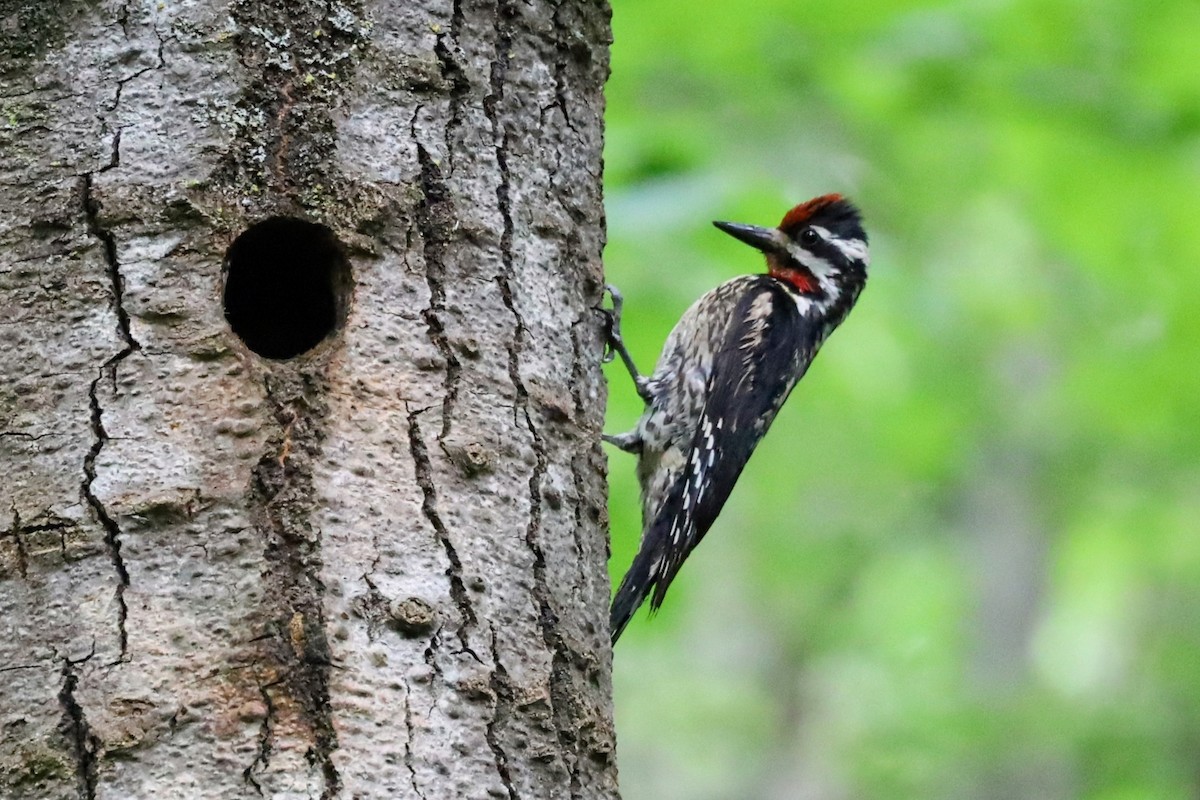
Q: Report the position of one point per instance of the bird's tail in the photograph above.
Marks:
(656, 564)
(632, 592)
(653, 569)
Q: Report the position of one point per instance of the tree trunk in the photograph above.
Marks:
(301, 400)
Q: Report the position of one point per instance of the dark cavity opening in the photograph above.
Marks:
(287, 284)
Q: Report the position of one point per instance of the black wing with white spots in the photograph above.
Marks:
(768, 344)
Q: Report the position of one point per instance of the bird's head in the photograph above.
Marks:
(819, 249)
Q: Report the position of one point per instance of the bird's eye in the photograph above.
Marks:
(808, 236)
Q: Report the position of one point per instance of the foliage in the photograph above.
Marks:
(966, 561)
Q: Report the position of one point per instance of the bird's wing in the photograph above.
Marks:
(751, 376)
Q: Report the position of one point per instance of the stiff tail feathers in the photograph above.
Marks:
(632, 592)
(656, 564)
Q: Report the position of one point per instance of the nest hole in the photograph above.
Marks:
(287, 286)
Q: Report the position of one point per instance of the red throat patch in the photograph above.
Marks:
(801, 213)
(802, 279)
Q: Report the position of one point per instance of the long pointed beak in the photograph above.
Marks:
(765, 239)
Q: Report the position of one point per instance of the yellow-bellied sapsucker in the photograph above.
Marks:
(725, 371)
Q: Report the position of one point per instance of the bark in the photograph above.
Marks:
(374, 568)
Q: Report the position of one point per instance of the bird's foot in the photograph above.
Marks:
(615, 345)
(630, 442)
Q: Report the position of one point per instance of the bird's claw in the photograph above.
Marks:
(613, 344)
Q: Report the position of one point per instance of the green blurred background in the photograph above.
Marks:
(966, 561)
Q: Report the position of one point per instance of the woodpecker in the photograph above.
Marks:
(724, 373)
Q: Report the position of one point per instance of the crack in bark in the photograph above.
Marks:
(130, 345)
(91, 211)
(373, 605)
(153, 67)
(424, 474)
(408, 741)
(542, 594)
(578, 380)
(112, 530)
(560, 68)
(430, 656)
(433, 217)
(57, 523)
(452, 71)
(265, 735)
(436, 214)
(22, 434)
(15, 531)
(74, 726)
(123, 18)
(501, 688)
(20, 529)
(547, 618)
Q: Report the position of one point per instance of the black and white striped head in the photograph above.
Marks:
(819, 249)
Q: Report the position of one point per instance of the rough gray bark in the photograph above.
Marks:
(372, 570)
